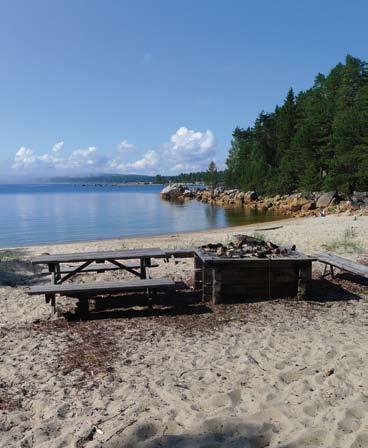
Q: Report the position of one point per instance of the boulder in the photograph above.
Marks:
(218, 190)
(325, 199)
(188, 194)
(173, 191)
(251, 196)
(309, 206)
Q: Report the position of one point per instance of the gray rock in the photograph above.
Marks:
(251, 196)
(188, 194)
(325, 199)
(173, 191)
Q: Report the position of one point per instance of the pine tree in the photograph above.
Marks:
(211, 176)
(317, 140)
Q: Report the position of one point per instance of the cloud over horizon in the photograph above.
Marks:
(186, 150)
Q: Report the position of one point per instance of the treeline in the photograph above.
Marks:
(317, 140)
(199, 176)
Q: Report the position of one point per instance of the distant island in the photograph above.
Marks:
(195, 177)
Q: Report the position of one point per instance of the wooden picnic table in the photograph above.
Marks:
(101, 262)
(86, 259)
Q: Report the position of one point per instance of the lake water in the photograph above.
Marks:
(34, 214)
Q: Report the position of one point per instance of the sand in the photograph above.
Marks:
(277, 373)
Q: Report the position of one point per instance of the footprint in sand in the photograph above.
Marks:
(306, 439)
(361, 441)
(353, 418)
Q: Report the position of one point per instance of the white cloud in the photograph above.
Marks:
(26, 160)
(84, 153)
(58, 146)
(149, 160)
(186, 150)
(125, 146)
(190, 150)
(24, 157)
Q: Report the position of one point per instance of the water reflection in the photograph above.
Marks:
(40, 214)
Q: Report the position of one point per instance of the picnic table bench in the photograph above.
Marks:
(84, 291)
(331, 260)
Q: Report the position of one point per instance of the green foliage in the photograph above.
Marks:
(211, 176)
(317, 140)
(348, 242)
(200, 176)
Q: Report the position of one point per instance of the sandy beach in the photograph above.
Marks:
(276, 373)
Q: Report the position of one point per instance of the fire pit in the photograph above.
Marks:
(250, 268)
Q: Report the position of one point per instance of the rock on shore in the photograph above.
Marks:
(176, 192)
(296, 204)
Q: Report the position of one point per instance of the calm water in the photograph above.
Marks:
(33, 214)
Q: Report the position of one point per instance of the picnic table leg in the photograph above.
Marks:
(57, 274)
(324, 271)
(52, 297)
(145, 262)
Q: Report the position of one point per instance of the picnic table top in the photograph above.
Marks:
(126, 254)
(213, 258)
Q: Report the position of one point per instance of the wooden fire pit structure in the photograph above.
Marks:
(231, 278)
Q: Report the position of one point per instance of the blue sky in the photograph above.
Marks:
(154, 86)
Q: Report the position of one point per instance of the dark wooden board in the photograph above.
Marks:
(101, 267)
(342, 263)
(100, 256)
(215, 259)
(240, 292)
(102, 287)
(180, 253)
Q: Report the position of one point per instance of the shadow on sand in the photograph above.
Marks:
(212, 433)
(325, 290)
(130, 306)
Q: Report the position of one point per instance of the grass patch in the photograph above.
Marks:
(348, 242)
(7, 255)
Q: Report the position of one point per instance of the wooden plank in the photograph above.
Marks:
(215, 259)
(180, 253)
(101, 267)
(232, 292)
(253, 275)
(102, 287)
(342, 263)
(100, 256)
(198, 266)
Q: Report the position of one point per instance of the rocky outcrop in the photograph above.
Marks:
(296, 204)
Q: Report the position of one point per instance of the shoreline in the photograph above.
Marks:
(309, 234)
(195, 233)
